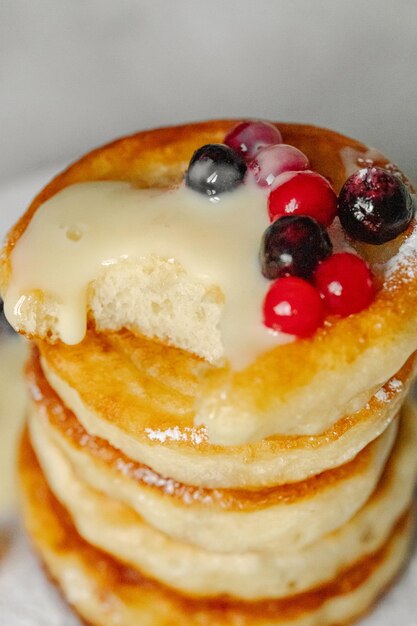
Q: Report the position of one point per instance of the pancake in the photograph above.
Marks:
(105, 592)
(295, 515)
(342, 364)
(270, 571)
(123, 390)
(182, 463)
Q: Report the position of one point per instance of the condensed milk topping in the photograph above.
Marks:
(89, 226)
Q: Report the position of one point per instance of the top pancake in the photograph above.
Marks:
(340, 364)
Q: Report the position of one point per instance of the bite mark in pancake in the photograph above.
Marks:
(273, 395)
(286, 432)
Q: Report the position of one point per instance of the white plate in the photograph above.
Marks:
(28, 599)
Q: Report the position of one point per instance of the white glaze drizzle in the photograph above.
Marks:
(90, 225)
(87, 226)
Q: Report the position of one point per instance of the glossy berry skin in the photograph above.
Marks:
(247, 138)
(293, 245)
(274, 160)
(345, 283)
(303, 193)
(215, 169)
(375, 206)
(293, 306)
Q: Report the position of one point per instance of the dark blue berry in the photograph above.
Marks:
(215, 169)
(293, 246)
(375, 206)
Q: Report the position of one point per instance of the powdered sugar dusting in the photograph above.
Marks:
(395, 385)
(169, 486)
(385, 394)
(382, 395)
(406, 259)
(176, 434)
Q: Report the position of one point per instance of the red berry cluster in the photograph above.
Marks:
(296, 251)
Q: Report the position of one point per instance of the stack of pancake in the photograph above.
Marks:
(161, 489)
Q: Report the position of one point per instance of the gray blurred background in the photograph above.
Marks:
(76, 73)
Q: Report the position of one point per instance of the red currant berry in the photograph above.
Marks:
(303, 193)
(346, 283)
(375, 206)
(293, 306)
(274, 160)
(247, 138)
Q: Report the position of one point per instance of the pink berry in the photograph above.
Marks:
(303, 193)
(293, 306)
(274, 160)
(247, 138)
(346, 283)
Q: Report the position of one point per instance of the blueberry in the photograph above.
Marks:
(375, 206)
(293, 245)
(215, 169)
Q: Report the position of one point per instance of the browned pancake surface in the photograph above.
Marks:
(170, 388)
(66, 422)
(158, 158)
(56, 538)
